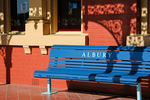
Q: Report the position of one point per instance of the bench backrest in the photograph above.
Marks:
(103, 58)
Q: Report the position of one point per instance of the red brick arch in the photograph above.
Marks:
(99, 35)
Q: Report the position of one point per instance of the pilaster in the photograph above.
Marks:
(37, 9)
(138, 40)
(143, 38)
(37, 22)
(1, 16)
(144, 17)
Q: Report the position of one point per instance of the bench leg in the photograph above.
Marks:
(139, 96)
(49, 87)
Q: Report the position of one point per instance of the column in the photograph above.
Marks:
(37, 9)
(1, 17)
(54, 16)
(5, 17)
(143, 38)
(144, 17)
(37, 23)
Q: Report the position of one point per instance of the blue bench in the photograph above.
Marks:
(108, 64)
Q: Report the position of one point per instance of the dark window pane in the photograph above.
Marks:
(69, 12)
(19, 13)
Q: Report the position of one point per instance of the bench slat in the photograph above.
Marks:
(99, 61)
(120, 48)
(97, 73)
(117, 55)
(103, 64)
(91, 70)
(100, 77)
(103, 68)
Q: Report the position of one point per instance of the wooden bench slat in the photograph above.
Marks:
(103, 64)
(92, 70)
(83, 72)
(116, 55)
(120, 48)
(62, 71)
(100, 61)
(103, 68)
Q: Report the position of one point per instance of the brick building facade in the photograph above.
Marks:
(25, 45)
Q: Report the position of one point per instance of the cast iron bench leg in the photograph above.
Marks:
(139, 97)
(49, 87)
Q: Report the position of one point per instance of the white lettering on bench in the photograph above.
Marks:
(93, 54)
(88, 54)
(104, 55)
(109, 54)
(96, 54)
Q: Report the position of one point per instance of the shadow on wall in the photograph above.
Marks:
(119, 17)
(6, 53)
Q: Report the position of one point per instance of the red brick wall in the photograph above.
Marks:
(108, 22)
(20, 66)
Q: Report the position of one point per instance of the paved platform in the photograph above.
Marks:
(24, 92)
